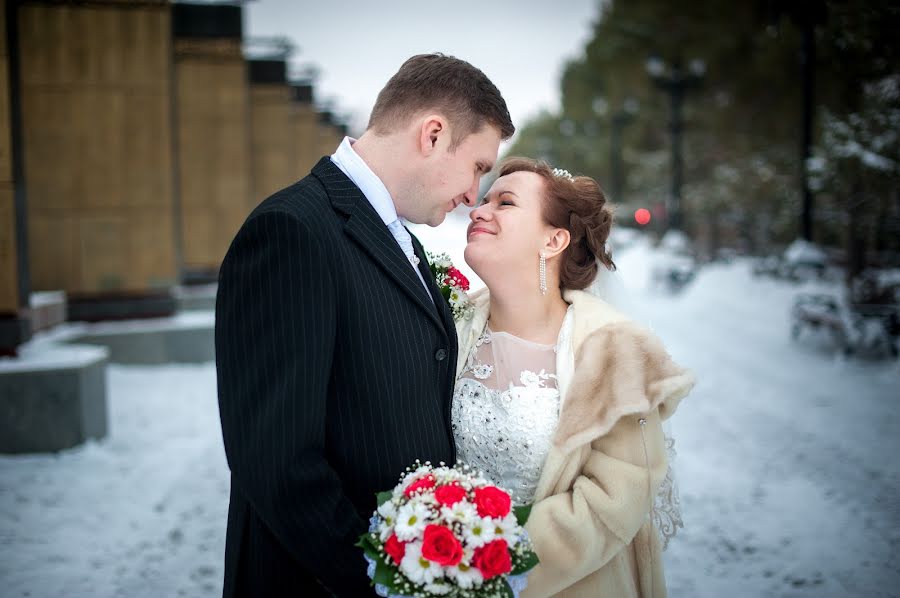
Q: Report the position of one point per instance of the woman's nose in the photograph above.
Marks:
(482, 212)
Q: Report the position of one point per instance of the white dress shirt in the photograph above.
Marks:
(378, 196)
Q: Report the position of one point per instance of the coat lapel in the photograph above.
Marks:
(439, 301)
(366, 228)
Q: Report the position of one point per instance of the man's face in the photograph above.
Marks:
(453, 176)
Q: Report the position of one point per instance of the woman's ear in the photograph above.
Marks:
(556, 243)
(432, 128)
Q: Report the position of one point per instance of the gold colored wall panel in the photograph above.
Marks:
(98, 148)
(272, 141)
(213, 129)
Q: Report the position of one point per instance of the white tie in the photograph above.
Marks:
(404, 241)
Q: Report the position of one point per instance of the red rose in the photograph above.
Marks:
(395, 548)
(458, 278)
(450, 494)
(441, 546)
(420, 484)
(492, 502)
(493, 559)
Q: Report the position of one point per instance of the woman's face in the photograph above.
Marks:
(508, 231)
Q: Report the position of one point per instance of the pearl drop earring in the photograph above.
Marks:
(543, 274)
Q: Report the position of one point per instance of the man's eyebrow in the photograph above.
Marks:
(505, 191)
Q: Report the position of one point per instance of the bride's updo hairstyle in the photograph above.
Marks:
(577, 204)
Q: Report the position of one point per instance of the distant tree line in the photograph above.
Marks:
(742, 119)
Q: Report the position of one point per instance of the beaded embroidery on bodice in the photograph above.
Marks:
(505, 411)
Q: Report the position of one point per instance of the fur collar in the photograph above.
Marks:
(620, 369)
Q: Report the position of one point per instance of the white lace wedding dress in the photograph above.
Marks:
(505, 411)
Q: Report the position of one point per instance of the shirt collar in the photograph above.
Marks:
(368, 182)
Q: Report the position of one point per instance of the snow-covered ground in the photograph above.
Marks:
(787, 463)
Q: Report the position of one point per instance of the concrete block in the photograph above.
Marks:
(185, 338)
(53, 398)
(196, 297)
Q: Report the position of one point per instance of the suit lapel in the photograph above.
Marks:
(366, 228)
(439, 301)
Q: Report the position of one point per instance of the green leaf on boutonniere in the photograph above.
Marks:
(383, 497)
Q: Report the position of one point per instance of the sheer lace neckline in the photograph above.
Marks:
(509, 335)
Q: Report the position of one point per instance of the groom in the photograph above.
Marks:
(335, 351)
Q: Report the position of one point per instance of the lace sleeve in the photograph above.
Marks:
(666, 512)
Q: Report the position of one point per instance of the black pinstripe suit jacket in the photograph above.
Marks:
(335, 372)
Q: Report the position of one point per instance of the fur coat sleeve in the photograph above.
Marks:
(609, 457)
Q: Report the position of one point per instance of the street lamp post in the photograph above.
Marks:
(619, 119)
(676, 81)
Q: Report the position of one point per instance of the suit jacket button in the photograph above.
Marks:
(441, 354)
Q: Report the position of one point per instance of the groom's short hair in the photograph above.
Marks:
(447, 85)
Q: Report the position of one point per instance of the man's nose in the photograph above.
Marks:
(471, 196)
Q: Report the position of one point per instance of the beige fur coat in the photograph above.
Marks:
(590, 523)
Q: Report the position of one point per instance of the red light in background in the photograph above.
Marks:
(642, 216)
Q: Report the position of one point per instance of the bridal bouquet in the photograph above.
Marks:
(452, 283)
(444, 531)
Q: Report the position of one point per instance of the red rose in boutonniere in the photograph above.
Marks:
(456, 278)
(452, 283)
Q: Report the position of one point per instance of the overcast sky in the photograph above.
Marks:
(357, 45)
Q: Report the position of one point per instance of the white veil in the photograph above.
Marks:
(666, 511)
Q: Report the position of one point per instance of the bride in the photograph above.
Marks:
(559, 398)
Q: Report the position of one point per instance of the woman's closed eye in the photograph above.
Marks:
(502, 199)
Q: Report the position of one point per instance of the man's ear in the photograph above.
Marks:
(433, 127)
(556, 243)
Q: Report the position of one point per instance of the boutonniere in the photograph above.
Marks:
(453, 285)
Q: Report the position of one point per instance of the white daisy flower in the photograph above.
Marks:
(418, 569)
(463, 511)
(479, 532)
(465, 576)
(507, 529)
(411, 520)
(388, 513)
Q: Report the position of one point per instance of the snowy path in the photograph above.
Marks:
(787, 466)
(789, 486)
(140, 514)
